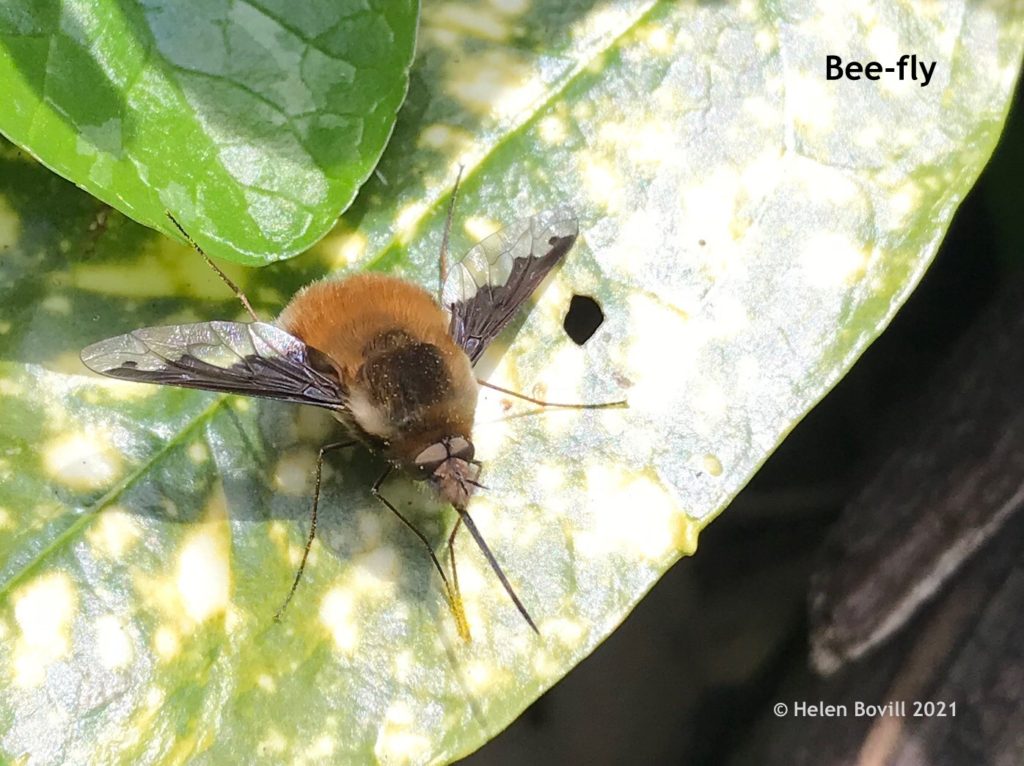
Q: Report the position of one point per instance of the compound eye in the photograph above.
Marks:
(429, 459)
(461, 448)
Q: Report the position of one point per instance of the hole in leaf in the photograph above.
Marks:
(582, 319)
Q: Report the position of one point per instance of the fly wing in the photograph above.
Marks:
(484, 290)
(252, 359)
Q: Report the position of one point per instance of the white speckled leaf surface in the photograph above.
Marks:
(748, 229)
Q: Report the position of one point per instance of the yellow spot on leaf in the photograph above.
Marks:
(903, 202)
(345, 249)
(273, 744)
(471, 20)
(203, 575)
(449, 139)
(43, 611)
(277, 533)
(546, 665)
(322, 747)
(113, 646)
(336, 613)
(602, 182)
(266, 683)
(164, 268)
(57, 304)
(398, 742)
(480, 676)
(114, 533)
(408, 218)
(376, 571)
(82, 461)
(633, 515)
(766, 40)
(832, 260)
(121, 390)
(553, 130)
(166, 643)
(493, 83)
(478, 227)
(569, 632)
(658, 38)
(69, 363)
(712, 465)
(404, 664)
(711, 403)
(294, 472)
(155, 698)
(198, 453)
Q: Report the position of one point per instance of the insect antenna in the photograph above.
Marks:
(312, 522)
(542, 403)
(443, 260)
(227, 280)
(464, 515)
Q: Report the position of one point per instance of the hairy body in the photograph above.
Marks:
(409, 385)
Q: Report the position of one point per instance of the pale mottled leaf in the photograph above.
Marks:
(748, 229)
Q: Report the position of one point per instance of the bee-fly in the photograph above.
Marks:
(394, 365)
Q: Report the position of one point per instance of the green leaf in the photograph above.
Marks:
(253, 122)
(748, 228)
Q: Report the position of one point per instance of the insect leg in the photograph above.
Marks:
(455, 602)
(443, 260)
(312, 522)
(542, 403)
(227, 280)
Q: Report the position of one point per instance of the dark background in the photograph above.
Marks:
(701, 659)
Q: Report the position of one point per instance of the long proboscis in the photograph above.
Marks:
(468, 521)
